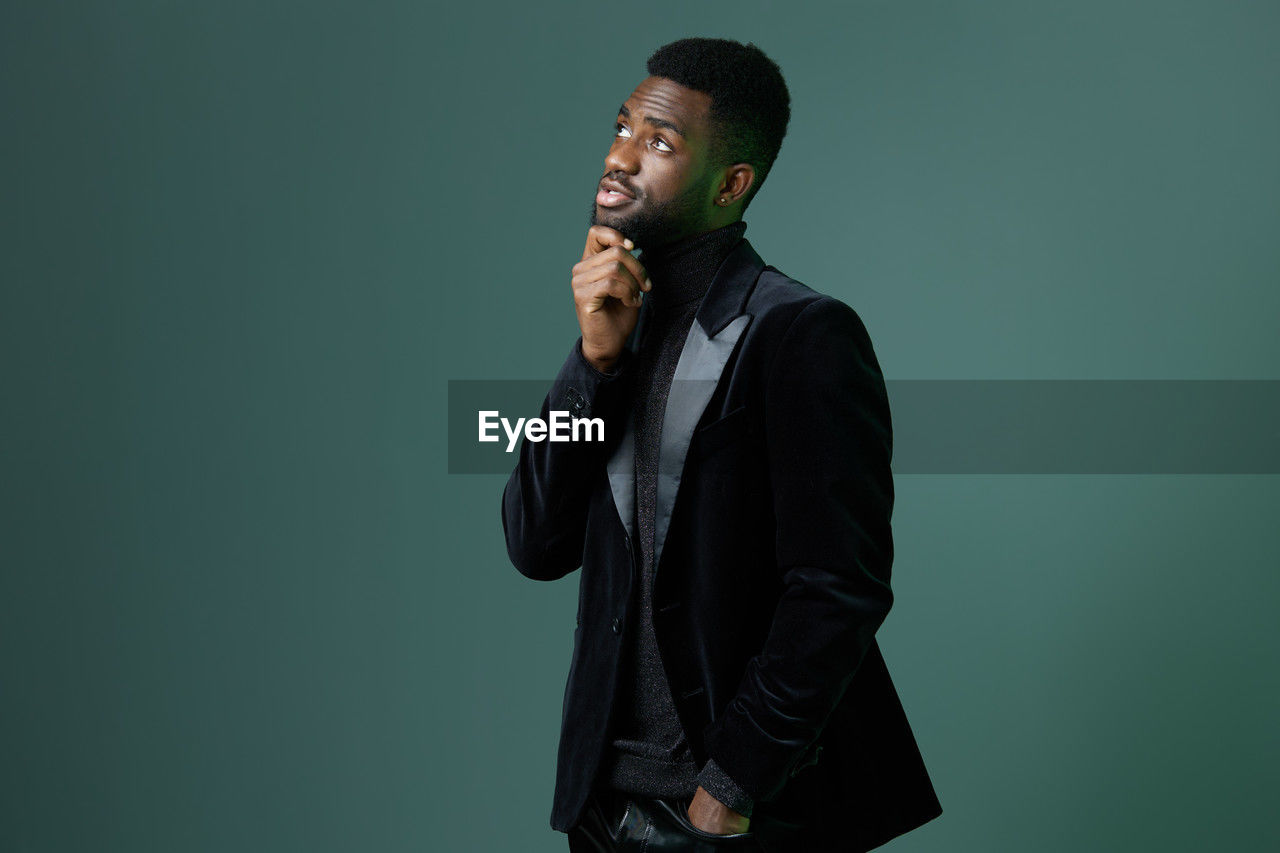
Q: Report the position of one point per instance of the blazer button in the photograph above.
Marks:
(617, 625)
(577, 403)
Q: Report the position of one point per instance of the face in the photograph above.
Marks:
(658, 183)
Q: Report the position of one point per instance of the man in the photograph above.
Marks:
(733, 529)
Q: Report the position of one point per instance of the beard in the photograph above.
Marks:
(649, 223)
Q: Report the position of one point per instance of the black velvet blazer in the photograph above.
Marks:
(772, 550)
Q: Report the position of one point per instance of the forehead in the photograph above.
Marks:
(658, 97)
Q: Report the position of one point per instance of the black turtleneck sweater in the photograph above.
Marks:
(649, 753)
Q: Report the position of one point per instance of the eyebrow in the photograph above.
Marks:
(656, 122)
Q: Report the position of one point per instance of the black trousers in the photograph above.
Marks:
(621, 822)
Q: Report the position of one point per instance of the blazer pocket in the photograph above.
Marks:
(721, 433)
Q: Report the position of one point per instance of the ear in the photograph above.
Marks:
(735, 183)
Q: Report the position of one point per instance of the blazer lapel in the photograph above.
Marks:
(621, 466)
(715, 331)
(696, 377)
(622, 477)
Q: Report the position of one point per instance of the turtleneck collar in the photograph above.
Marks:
(682, 271)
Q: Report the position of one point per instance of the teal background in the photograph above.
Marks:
(245, 245)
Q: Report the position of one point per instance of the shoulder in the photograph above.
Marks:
(785, 307)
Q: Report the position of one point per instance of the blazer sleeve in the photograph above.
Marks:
(829, 441)
(544, 504)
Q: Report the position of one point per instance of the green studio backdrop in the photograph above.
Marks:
(244, 606)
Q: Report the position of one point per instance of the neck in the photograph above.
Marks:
(682, 270)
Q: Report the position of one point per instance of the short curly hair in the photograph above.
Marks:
(750, 104)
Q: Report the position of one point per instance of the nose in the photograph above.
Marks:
(622, 157)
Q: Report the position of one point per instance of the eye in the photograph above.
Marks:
(661, 144)
(622, 130)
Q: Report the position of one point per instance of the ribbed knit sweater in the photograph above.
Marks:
(649, 753)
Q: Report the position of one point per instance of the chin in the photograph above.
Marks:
(639, 225)
(605, 216)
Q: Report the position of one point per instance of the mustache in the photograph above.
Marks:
(620, 178)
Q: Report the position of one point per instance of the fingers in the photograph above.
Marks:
(607, 286)
(612, 264)
(601, 237)
(617, 257)
(595, 296)
(592, 284)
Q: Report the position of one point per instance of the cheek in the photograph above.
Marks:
(670, 181)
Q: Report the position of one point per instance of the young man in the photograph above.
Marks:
(733, 529)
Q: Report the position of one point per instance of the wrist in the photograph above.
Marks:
(602, 365)
(711, 815)
(603, 362)
(722, 788)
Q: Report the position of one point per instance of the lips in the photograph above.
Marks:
(613, 194)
